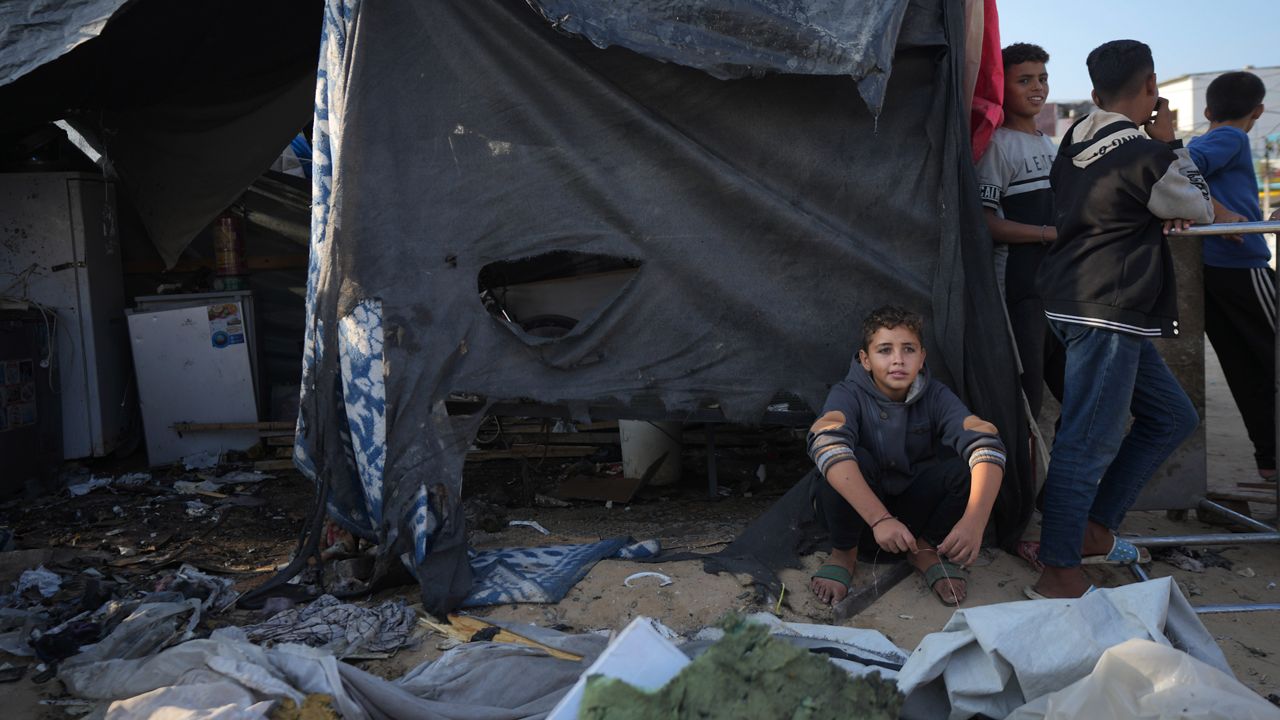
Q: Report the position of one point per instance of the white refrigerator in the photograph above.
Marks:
(59, 247)
(193, 366)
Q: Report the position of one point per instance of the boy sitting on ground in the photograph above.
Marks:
(902, 456)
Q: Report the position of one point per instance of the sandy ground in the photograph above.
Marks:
(908, 612)
(695, 599)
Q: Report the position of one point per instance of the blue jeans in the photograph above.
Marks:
(1096, 471)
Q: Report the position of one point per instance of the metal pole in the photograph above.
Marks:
(713, 482)
(1266, 179)
(1265, 226)
(1256, 607)
(1230, 514)
(1266, 533)
(1212, 539)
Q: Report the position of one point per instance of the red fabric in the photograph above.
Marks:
(988, 94)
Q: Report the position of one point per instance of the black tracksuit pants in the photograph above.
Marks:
(930, 506)
(1239, 318)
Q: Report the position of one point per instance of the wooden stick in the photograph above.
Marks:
(273, 465)
(1258, 497)
(463, 627)
(213, 427)
(532, 451)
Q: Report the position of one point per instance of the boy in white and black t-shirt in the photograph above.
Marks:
(1013, 179)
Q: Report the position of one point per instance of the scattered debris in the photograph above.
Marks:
(239, 477)
(530, 524)
(465, 628)
(12, 673)
(197, 509)
(1247, 573)
(341, 628)
(93, 483)
(547, 501)
(201, 460)
(1178, 559)
(214, 593)
(1192, 559)
(663, 580)
(43, 581)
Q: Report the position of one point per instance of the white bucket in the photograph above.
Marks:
(651, 450)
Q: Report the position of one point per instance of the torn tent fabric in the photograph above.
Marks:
(763, 215)
(188, 104)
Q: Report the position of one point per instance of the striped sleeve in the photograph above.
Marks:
(832, 438)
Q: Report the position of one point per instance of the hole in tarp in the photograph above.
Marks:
(547, 295)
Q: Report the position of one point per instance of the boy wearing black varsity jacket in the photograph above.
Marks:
(1121, 182)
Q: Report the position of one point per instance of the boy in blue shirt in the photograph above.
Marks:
(1239, 288)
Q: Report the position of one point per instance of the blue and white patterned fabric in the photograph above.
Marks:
(355, 505)
(544, 574)
(364, 392)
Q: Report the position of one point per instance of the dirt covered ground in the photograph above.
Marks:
(134, 535)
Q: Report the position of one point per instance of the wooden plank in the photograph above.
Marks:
(294, 261)
(273, 465)
(215, 427)
(579, 438)
(532, 451)
(868, 587)
(611, 438)
(464, 627)
(585, 487)
(279, 440)
(1243, 496)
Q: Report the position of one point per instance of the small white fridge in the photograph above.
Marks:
(193, 365)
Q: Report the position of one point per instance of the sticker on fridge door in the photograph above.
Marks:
(225, 325)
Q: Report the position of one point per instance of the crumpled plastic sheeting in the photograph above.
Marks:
(218, 700)
(341, 628)
(991, 660)
(45, 582)
(34, 33)
(732, 39)
(1143, 680)
(475, 674)
(475, 681)
(229, 664)
(147, 630)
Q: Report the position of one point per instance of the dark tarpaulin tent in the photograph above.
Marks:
(771, 170)
(188, 103)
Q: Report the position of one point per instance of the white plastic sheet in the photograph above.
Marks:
(991, 660)
(1143, 680)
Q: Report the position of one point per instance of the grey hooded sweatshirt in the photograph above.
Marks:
(903, 437)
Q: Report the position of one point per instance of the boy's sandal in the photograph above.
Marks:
(1029, 550)
(1122, 552)
(834, 573)
(1031, 594)
(944, 570)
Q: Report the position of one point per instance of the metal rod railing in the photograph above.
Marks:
(1266, 226)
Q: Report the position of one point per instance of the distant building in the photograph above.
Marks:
(1186, 96)
(1056, 118)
